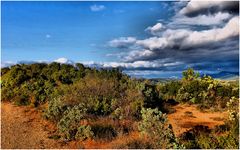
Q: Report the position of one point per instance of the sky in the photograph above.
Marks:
(146, 39)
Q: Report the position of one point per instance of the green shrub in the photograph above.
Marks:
(154, 125)
(84, 132)
(55, 109)
(206, 91)
(201, 137)
(70, 122)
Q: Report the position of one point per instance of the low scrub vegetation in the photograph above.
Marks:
(76, 97)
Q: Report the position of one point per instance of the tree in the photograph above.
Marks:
(189, 74)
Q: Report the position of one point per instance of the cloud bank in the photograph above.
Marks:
(202, 34)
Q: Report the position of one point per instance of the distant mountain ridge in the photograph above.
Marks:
(225, 75)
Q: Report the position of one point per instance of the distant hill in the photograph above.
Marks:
(225, 75)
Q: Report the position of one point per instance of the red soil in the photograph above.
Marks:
(188, 116)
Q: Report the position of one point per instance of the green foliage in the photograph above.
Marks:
(206, 91)
(69, 124)
(77, 93)
(55, 109)
(154, 125)
(4, 70)
(84, 132)
(202, 137)
(169, 90)
(36, 81)
(233, 120)
(151, 96)
(189, 74)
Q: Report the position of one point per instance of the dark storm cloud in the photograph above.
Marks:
(195, 8)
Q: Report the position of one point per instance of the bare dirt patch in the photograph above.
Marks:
(23, 127)
(187, 116)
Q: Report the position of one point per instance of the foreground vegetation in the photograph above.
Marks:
(103, 104)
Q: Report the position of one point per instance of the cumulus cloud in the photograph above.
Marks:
(144, 65)
(194, 8)
(183, 38)
(212, 19)
(138, 54)
(186, 47)
(63, 61)
(122, 42)
(154, 30)
(97, 7)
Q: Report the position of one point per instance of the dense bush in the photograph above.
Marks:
(154, 126)
(206, 91)
(75, 97)
(69, 124)
(169, 90)
(201, 137)
(55, 109)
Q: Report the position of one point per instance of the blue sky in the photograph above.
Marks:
(49, 30)
(146, 39)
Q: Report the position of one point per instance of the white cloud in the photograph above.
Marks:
(231, 29)
(153, 43)
(97, 7)
(122, 42)
(63, 61)
(132, 65)
(154, 30)
(137, 54)
(7, 63)
(215, 19)
(183, 38)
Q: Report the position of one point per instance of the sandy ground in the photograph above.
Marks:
(188, 116)
(23, 127)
